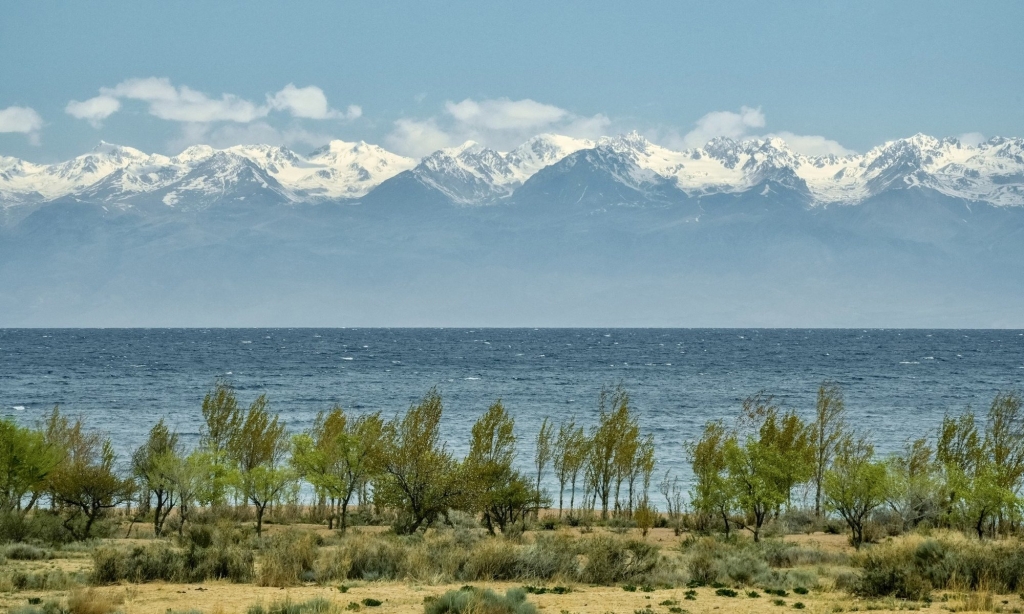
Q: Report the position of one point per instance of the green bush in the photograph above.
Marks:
(288, 560)
(43, 580)
(611, 560)
(317, 605)
(548, 557)
(475, 601)
(911, 568)
(493, 559)
(25, 552)
(159, 561)
(375, 558)
(726, 592)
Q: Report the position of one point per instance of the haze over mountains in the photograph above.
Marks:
(559, 231)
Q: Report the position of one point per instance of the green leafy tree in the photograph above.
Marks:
(257, 449)
(976, 486)
(543, 452)
(855, 485)
(608, 446)
(188, 476)
(765, 464)
(570, 454)
(85, 483)
(417, 474)
(26, 461)
(222, 417)
(335, 456)
(498, 491)
(712, 494)
(150, 465)
(913, 486)
(826, 434)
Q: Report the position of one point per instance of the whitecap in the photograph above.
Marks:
(471, 378)
(246, 342)
(18, 408)
(347, 358)
(909, 362)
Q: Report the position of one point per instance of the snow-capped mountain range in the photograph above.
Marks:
(991, 172)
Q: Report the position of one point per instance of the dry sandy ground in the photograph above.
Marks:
(400, 598)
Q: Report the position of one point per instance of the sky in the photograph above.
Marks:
(416, 76)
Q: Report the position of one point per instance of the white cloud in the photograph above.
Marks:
(418, 138)
(723, 124)
(20, 119)
(500, 123)
(742, 126)
(186, 105)
(23, 120)
(971, 139)
(221, 136)
(504, 114)
(309, 102)
(812, 145)
(95, 110)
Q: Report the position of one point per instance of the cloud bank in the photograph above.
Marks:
(744, 125)
(500, 123)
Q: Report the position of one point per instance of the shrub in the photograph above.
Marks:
(493, 559)
(612, 560)
(317, 605)
(726, 592)
(25, 552)
(288, 560)
(42, 580)
(743, 567)
(375, 558)
(331, 565)
(911, 567)
(91, 601)
(548, 557)
(159, 561)
(481, 602)
(370, 602)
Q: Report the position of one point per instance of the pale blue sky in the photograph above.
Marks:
(857, 73)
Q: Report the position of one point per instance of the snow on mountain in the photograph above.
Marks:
(111, 173)
(337, 170)
(472, 174)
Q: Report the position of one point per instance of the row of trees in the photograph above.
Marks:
(245, 457)
(967, 475)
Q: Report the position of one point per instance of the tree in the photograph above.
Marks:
(150, 465)
(499, 492)
(26, 461)
(570, 454)
(84, 483)
(770, 459)
(257, 448)
(335, 457)
(855, 485)
(608, 445)
(712, 493)
(419, 477)
(542, 454)
(978, 489)
(188, 475)
(912, 487)
(222, 417)
(827, 433)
